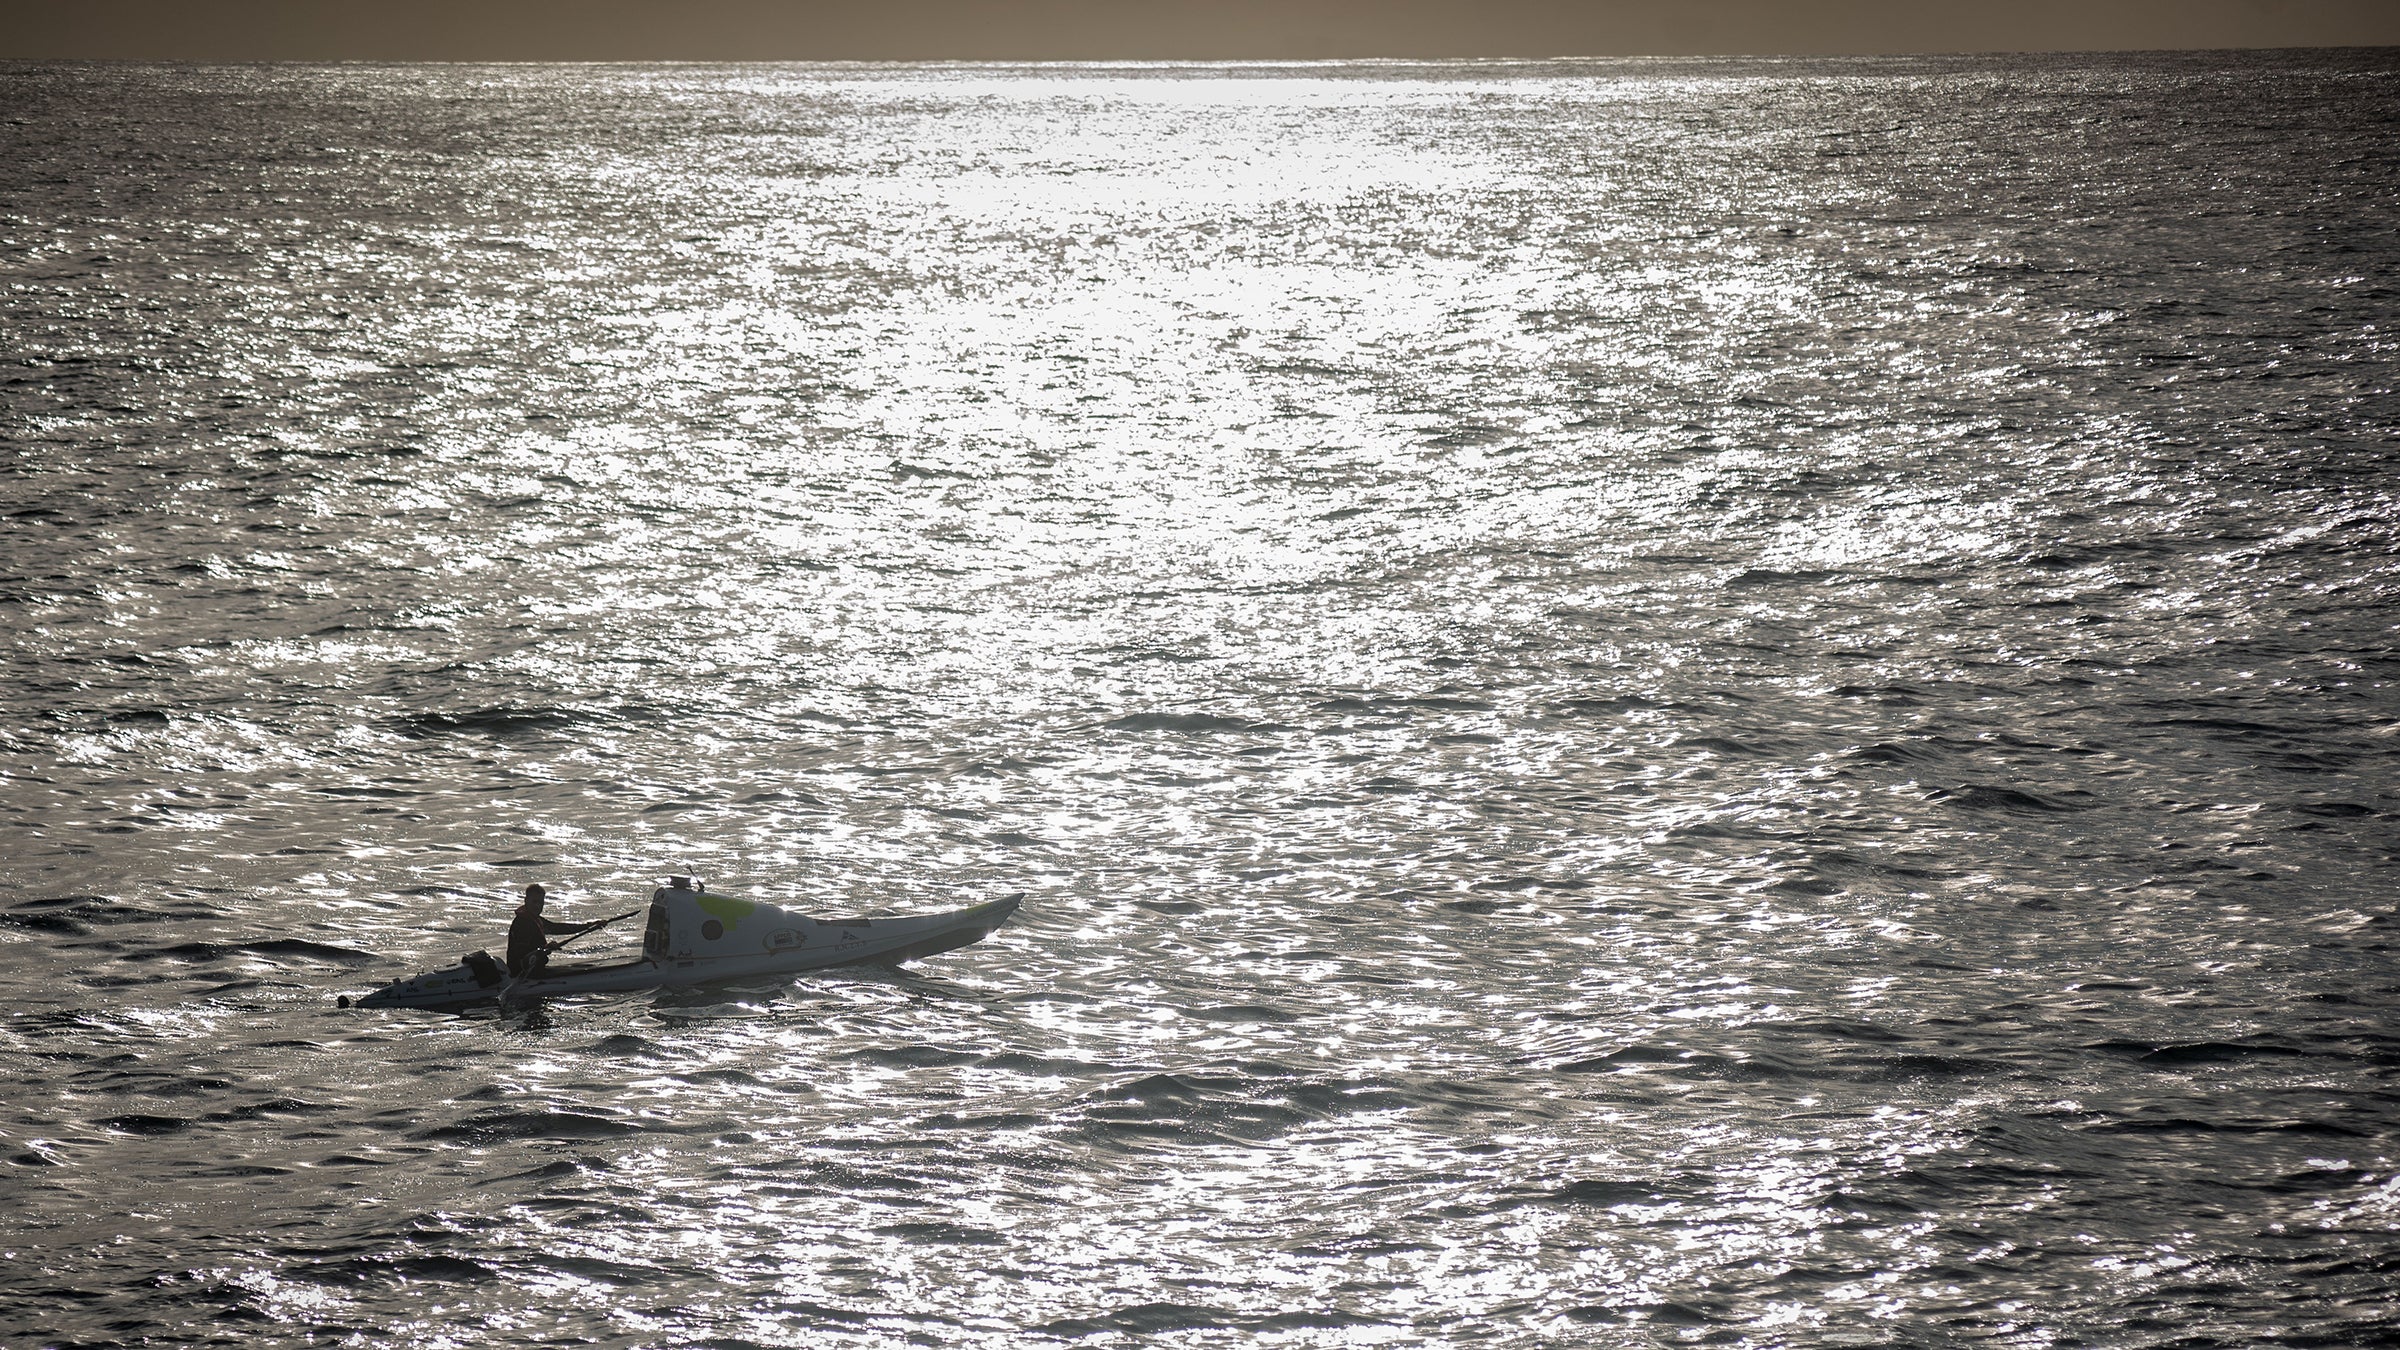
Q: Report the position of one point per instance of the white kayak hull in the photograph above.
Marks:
(802, 945)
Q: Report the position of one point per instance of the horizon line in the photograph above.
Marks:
(1163, 61)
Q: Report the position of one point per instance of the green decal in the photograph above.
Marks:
(727, 908)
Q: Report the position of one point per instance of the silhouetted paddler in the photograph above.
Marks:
(529, 935)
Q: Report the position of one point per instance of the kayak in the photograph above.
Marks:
(696, 936)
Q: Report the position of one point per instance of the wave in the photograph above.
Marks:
(200, 953)
(1154, 1319)
(494, 1126)
(505, 721)
(429, 1268)
(1190, 724)
(84, 912)
(2014, 801)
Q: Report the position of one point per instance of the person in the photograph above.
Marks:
(529, 935)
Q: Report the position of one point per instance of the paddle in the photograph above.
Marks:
(591, 927)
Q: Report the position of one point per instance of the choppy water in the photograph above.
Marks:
(1746, 703)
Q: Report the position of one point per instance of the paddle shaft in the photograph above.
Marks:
(592, 927)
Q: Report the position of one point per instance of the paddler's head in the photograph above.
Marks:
(533, 897)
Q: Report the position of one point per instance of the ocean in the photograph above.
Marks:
(1731, 702)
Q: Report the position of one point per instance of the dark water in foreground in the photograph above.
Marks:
(1733, 703)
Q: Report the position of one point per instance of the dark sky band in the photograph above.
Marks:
(1096, 30)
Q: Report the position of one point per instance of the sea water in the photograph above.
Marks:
(1637, 703)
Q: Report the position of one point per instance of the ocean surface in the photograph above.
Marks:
(1638, 703)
